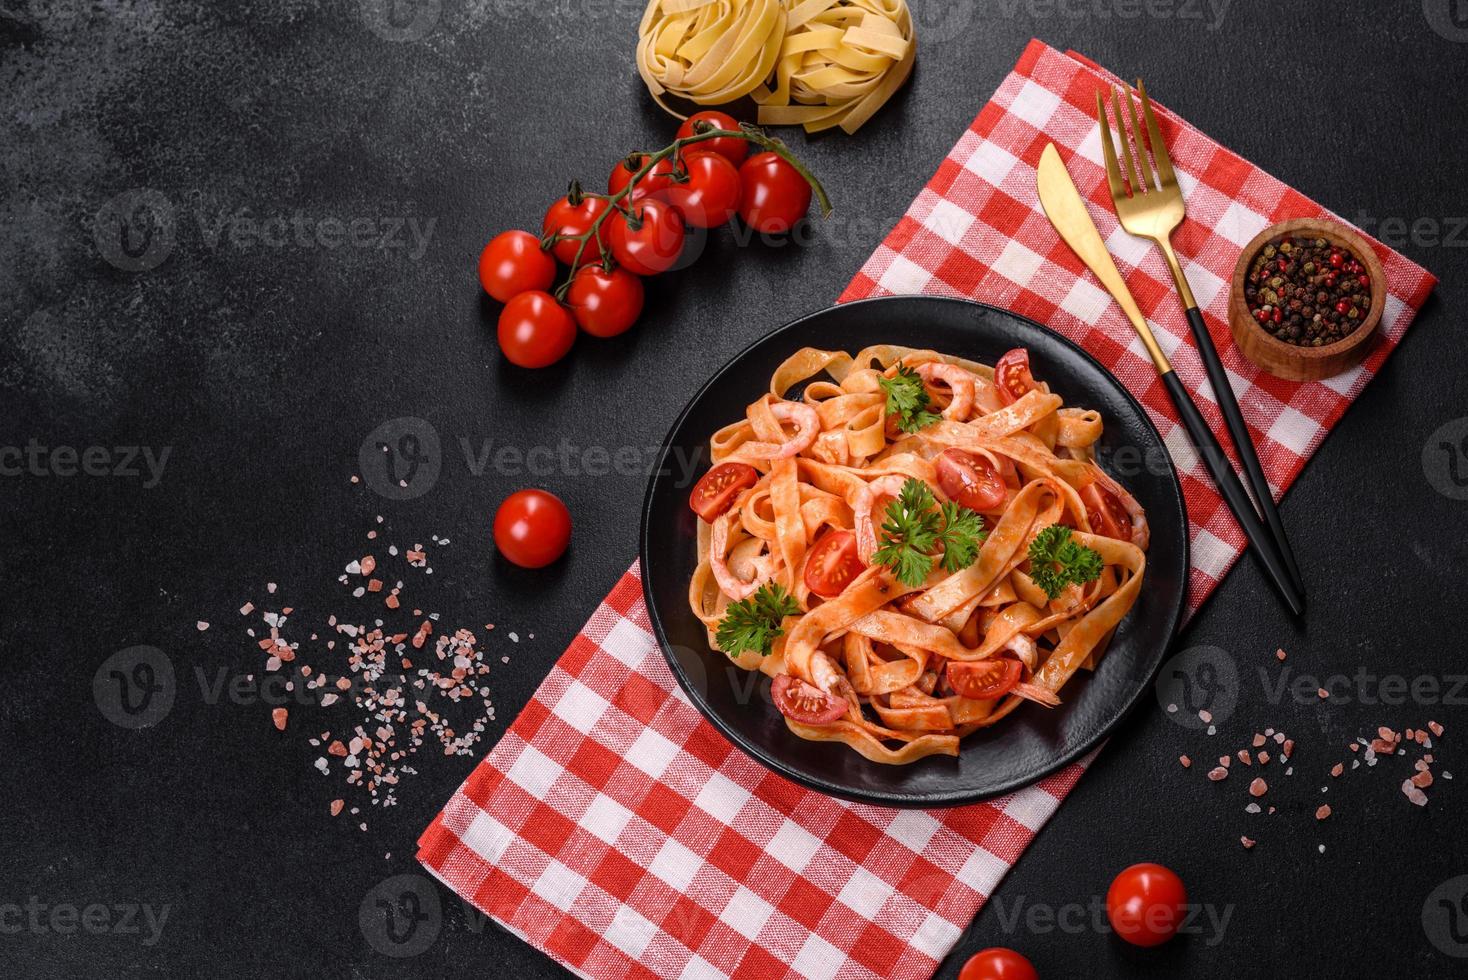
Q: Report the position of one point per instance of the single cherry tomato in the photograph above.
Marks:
(655, 180)
(649, 240)
(716, 492)
(708, 194)
(832, 564)
(604, 303)
(535, 330)
(512, 263)
(773, 194)
(1105, 512)
(806, 703)
(1012, 375)
(731, 148)
(983, 680)
(564, 218)
(970, 479)
(998, 963)
(532, 528)
(1146, 904)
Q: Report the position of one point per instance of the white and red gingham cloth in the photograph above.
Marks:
(617, 831)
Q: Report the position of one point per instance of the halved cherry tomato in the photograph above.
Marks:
(998, 963)
(773, 195)
(983, 680)
(1012, 375)
(1146, 904)
(970, 479)
(832, 564)
(730, 148)
(565, 218)
(512, 263)
(655, 180)
(604, 303)
(1105, 512)
(804, 702)
(534, 330)
(532, 528)
(715, 493)
(649, 240)
(707, 195)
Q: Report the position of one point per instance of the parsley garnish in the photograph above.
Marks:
(908, 400)
(1056, 561)
(754, 623)
(916, 527)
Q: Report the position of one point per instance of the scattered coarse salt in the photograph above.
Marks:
(1212, 730)
(1337, 769)
(1172, 709)
(336, 807)
(1252, 808)
(1185, 761)
(247, 608)
(280, 716)
(1258, 787)
(1263, 758)
(1224, 760)
(201, 626)
(1322, 848)
(1258, 740)
(1322, 811)
(1323, 693)
(1218, 773)
(1205, 716)
(1435, 728)
(514, 637)
(1245, 758)
(1279, 655)
(1248, 842)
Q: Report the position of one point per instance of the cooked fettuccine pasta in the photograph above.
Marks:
(912, 547)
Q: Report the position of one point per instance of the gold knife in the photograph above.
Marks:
(1067, 212)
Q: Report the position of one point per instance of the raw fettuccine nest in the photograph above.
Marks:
(812, 63)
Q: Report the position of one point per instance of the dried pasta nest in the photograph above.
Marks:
(816, 63)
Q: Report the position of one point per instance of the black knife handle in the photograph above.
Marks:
(1228, 404)
(1232, 491)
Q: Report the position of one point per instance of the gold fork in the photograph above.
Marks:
(1152, 209)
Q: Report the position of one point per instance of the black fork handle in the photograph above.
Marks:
(1228, 403)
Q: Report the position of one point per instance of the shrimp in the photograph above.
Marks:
(826, 677)
(1141, 535)
(1037, 694)
(959, 382)
(734, 586)
(807, 426)
(863, 504)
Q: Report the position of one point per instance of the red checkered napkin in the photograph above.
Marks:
(614, 829)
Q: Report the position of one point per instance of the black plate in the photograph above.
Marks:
(1032, 742)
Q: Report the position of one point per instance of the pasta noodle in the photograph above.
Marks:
(812, 63)
(888, 657)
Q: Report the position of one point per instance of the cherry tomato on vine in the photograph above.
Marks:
(730, 148)
(1106, 513)
(513, 262)
(984, 679)
(832, 564)
(773, 194)
(565, 218)
(708, 195)
(970, 479)
(649, 239)
(998, 963)
(1146, 904)
(719, 487)
(604, 303)
(655, 180)
(804, 702)
(532, 528)
(534, 330)
(1012, 376)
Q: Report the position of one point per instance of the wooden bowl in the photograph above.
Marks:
(1285, 360)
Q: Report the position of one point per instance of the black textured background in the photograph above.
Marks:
(264, 367)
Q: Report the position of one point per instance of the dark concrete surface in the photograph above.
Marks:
(260, 338)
